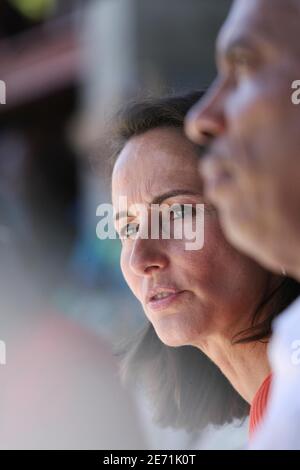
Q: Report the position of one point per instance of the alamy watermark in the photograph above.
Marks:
(2, 92)
(157, 221)
(296, 94)
(2, 353)
(295, 356)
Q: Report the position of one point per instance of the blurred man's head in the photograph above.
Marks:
(251, 128)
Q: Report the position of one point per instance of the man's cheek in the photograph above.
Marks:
(242, 104)
(222, 198)
(254, 135)
(255, 102)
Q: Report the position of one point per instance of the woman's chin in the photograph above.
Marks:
(172, 342)
(176, 338)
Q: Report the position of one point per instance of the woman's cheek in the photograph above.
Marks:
(129, 276)
(125, 268)
(213, 239)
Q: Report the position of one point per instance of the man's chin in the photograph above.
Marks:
(246, 237)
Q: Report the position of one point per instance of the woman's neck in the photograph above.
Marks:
(245, 365)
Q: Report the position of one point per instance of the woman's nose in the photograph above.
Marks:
(147, 257)
(205, 121)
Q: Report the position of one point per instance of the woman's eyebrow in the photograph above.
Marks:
(161, 198)
(175, 192)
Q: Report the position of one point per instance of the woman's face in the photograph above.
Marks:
(188, 296)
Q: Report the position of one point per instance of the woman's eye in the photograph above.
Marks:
(183, 210)
(129, 231)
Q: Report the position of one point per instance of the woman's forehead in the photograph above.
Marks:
(145, 172)
(158, 156)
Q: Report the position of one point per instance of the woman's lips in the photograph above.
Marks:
(162, 303)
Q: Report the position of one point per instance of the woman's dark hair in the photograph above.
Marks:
(186, 388)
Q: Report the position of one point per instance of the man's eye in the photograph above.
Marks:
(241, 61)
(242, 65)
(129, 231)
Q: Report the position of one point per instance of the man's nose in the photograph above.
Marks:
(205, 121)
(148, 257)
